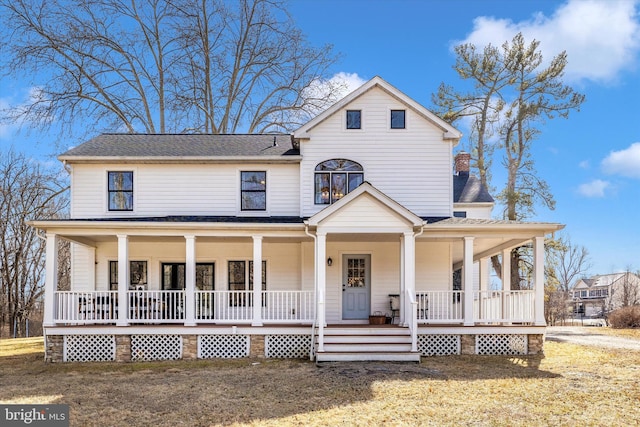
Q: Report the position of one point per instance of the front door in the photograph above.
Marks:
(356, 286)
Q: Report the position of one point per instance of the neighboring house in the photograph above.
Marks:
(602, 294)
(205, 246)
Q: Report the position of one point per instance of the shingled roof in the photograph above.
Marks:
(177, 146)
(468, 189)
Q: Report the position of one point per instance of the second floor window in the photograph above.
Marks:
(354, 119)
(335, 178)
(120, 191)
(253, 191)
(397, 119)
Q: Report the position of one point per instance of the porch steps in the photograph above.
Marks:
(350, 344)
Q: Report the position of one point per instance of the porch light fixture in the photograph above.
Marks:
(329, 262)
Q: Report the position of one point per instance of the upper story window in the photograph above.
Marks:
(335, 178)
(253, 191)
(398, 119)
(354, 119)
(120, 190)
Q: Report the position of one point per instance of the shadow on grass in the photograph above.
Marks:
(224, 392)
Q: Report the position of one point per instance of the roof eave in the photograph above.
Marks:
(180, 159)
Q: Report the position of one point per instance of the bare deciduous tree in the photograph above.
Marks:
(161, 66)
(27, 191)
(565, 263)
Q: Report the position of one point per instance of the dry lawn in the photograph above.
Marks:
(572, 386)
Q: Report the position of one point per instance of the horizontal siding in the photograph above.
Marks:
(365, 212)
(82, 273)
(183, 190)
(412, 166)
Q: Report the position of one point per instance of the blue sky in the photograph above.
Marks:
(591, 160)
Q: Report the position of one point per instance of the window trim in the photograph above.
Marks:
(132, 191)
(346, 119)
(330, 199)
(213, 276)
(238, 300)
(404, 121)
(113, 274)
(265, 191)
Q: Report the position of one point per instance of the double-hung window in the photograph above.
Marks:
(120, 189)
(241, 279)
(335, 178)
(253, 190)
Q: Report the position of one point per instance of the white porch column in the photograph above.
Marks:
(123, 279)
(321, 270)
(506, 270)
(467, 280)
(190, 282)
(51, 280)
(401, 314)
(409, 275)
(538, 280)
(257, 281)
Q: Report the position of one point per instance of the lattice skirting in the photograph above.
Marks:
(501, 344)
(223, 346)
(156, 347)
(89, 348)
(287, 346)
(438, 345)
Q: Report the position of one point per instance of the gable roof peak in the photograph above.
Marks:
(449, 131)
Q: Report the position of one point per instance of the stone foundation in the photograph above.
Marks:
(189, 347)
(536, 344)
(54, 349)
(123, 348)
(256, 348)
(467, 344)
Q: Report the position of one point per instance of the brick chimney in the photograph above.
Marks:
(462, 160)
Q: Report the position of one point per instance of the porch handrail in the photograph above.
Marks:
(157, 306)
(413, 320)
(287, 306)
(86, 307)
(444, 307)
(224, 306)
(504, 306)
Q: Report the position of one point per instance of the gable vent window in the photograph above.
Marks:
(120, 191)
(354, 119)
(398, 119)
(335, 178)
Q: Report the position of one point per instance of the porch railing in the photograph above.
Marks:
(86, 307)
(440, 307)
(288, 306)
(156, 306)
(504, 306)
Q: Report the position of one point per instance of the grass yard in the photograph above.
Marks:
(572, 385)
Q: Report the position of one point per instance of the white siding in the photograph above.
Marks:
(82, 263)
(412, 165)
(365, 212)
(161, 189)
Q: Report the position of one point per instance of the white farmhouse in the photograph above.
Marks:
(351, 239)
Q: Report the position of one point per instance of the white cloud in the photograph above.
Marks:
(584, 164)
(624, 162)
(326, 92)
(601, 37)
(595, 188)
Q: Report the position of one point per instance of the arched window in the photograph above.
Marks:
(335, 178)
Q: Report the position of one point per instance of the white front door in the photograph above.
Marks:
(356, 286)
